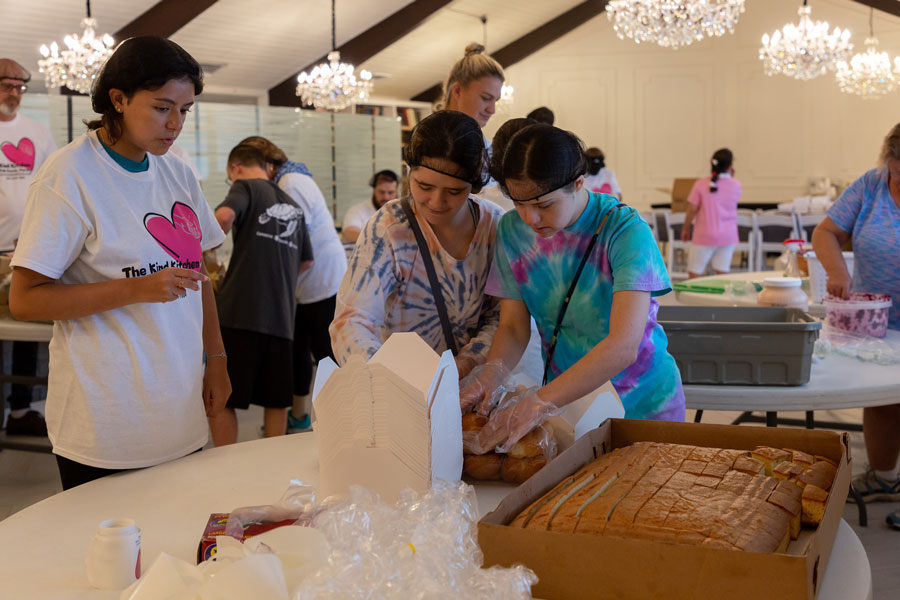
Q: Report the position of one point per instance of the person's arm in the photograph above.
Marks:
(216, 383)
(688, 220)
(474, 352)
(36, 297)
(225, 216)
(513, 333)
(827, 240)
(616, 352)
(365, 288)
(350, 234)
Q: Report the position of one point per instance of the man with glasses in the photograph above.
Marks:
(24, 146)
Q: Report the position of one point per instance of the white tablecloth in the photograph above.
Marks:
(42, 548)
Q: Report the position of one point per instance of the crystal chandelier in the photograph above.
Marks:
(333, 85)
(805, 50)
(869, 74)
(673, 23)
(79, 65)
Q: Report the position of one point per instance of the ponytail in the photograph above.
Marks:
(721, 162)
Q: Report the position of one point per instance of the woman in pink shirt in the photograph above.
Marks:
(713, 202)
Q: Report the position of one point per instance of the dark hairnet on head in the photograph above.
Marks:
(450, 143)
(501, 141)
(547, 157)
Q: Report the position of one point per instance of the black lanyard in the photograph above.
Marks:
(565, 305)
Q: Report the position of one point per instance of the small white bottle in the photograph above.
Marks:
(114, 555)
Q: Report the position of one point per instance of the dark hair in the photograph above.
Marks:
(549, 157)
(145, 62)
(384, 175)
(596, 159)
(501, 141)
(272, 153)
(454, 137)
(247, 155)
(720, 163)
(541, 114)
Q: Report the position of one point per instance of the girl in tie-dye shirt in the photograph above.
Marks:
(386, 287)
(610, 330)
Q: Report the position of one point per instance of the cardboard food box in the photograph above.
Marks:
(215, 526)
(578, 565)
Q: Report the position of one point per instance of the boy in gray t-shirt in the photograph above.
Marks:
(256, 301)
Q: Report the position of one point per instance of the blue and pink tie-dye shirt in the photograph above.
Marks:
(539, 272)
(867, 211)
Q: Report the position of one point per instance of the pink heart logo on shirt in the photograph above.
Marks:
(180, 237)
(21, 155)
(606, 189)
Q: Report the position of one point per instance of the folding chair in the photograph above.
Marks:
(805, 224)
(746, 223)
(674, 223)
(771, 231)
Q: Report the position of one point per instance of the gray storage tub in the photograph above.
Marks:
(740, 345)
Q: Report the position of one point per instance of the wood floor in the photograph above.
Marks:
(26, 478)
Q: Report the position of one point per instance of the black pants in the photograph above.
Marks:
(24, 362)
(73, 474)
(311, 341)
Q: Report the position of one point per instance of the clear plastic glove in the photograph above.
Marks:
(483, 387)
(512, 419)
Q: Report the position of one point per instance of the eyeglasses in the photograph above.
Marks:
(9, 87)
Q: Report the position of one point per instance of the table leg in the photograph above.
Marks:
(810, 419)
(698, 416)
(771, 419)
(863, 515)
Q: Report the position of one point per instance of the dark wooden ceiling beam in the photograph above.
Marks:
(891, 7)
(534, 40)
(365, 45)
(163, 18)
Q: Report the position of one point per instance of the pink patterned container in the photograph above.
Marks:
(865, 314)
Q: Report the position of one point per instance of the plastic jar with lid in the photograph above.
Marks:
(783, 292)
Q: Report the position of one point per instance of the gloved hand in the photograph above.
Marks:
(483, 387)
(512, 419)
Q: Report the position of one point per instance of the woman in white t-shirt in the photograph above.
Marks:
(600, 178)
(111, 251)
(316, 287)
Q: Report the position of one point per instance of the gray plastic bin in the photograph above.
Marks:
(740, 345)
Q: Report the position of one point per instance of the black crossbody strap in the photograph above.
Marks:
(432, 277)
(565, 305)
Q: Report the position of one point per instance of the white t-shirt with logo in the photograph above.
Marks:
(358, 215)
(125, 385)
(24, 146)
(329, 259)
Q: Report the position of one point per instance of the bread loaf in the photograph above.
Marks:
(684, 495)
(525, 458)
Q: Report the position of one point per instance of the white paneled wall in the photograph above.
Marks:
(659, 114)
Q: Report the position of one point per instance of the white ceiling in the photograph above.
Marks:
(262, 42)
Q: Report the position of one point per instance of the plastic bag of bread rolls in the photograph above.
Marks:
(525, 458)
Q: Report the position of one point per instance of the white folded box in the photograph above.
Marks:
(390, 423)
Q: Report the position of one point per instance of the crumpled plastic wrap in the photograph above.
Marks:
(298, 502)
(422, 547)
(866, 348)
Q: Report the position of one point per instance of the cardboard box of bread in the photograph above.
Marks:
(645, 509)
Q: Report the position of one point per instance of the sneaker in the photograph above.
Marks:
(296, 425)
(874, 489)
(893, 519)
(31, 423)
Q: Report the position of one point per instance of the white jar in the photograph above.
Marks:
(783, 292)
(114, 555)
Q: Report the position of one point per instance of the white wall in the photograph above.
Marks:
(660, 114)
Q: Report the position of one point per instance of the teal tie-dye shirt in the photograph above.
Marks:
(539, 272)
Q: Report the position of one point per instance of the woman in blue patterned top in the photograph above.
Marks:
(609, 331)
(869, 211)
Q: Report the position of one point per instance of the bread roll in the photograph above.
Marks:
(483, 466)
(473, 422)
(537, 442)
(518, 470)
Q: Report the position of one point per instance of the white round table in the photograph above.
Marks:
(42, 548)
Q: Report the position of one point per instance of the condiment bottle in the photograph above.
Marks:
(114, 555)
(783, 292)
